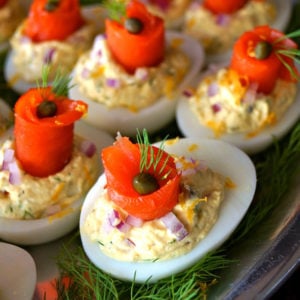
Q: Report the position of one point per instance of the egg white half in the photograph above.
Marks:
(153, 117)
(284, 11)
(18, 274)
(221, 157)
(190, 126)
(38, 231)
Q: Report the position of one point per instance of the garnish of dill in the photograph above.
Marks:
(60, 85)
(148, 157)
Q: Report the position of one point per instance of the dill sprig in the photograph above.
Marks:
(60, 85)
(89, 282)
(290, 53)
(116, 9)
(148, 158)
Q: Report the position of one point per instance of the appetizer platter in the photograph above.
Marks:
(235, 258)
(240, 102)
(126, 262)
(228, 20)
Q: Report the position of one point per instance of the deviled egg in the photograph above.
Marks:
(132, 79)
(57, 44)
(56, 221)
(48, 164)
(132, 243)
(250, 101)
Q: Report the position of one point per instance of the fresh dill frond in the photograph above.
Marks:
(293, 53)
(60, 85)
(148, 158)
(116, 9)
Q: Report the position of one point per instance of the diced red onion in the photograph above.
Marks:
(134, 221)
(96, 52)
(123, 227)
(191, 166)
(222, 19)
(174, 225)
(188, 93)
(130, 242)
(216, 107)
(100, 37)
(113, 82)
(212, 89)
(14, 173)
(162, 4)
(88, 148)
(114, 218)
(250, 94)
(194, 5)
(106, 226)
(114, 221)
(85, 73)
(10, 164)
(48, 57)
(24, 39)
(8, 157)
(141, 74)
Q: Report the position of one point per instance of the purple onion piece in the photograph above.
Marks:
(174, 225)
(216, 107)
(88, 148)
(113, 82)
(48, 57)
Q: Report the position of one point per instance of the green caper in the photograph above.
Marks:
(133, 25)
(46, 109)
(145, 183)
(262, 50)
(51, 5)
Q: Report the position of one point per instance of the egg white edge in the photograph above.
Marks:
(190, 126)
(18, 274)
(121, 119)
(220, 157)
(38, 231)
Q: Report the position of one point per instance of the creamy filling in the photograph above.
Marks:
(222, 103)
(36, 197)
(29, 57)
(100, 78)
(202, 192)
